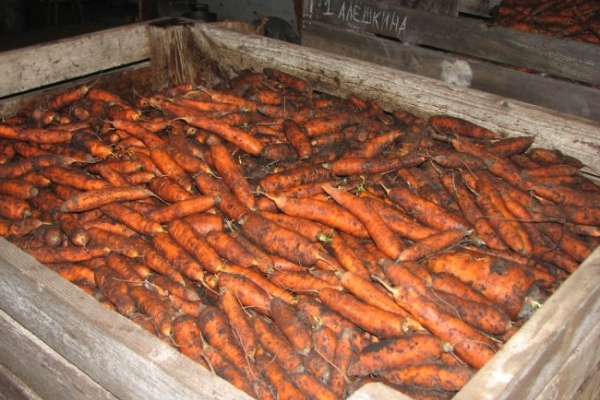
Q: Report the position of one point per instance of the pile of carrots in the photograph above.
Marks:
(574, 19)
(296, 243)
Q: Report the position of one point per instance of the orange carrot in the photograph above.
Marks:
(178, 256)
(170, 168)
(76, 273)
(115, 289)
(131, 219)
(231, 172)
(329, 214)
(73, 177)
(97, 198)
(470, 345)
(24, 166)
(371, 318)
(35, 135)
(158, 308)
(309, 229)
(218, 333)
(183, 208)
(293, 328)
(457, 126)
(279, 240)
(227, 202)
(430, 375)
(18, 188)
(249, 294)
(511, 146)
(277, 376)
(294, 177)
(426, 212)
(504, 282)
(168, 190)
(149, 138)
(313, 387)
(277, 345)
(433, 244)
(485, 317)
(380, 233)
(228, 371)
(186, 237)
(14, 208)
(256, 277)
(397, 352)
(231, 249)
(239, 321)
(297, 138)
(368, 165)
(188, 338)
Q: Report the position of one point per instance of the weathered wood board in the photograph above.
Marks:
(542, 53)
(479, 8)
(544, 91)
(130, 363)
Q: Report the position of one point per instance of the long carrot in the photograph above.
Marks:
(178, 256)
(371, 318)
(470, 345)
(183, 208)
(395, 353)
(230, 172)
(96, 198)
(240, 323)
(380, 233)
(329, 214)
(506, 283)
(431, 375)
(279, 240)
(184, 234)
(432, 244)
(293, 328)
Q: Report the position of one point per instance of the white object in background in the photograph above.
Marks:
(458, 73)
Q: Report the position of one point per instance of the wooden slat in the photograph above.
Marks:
(394, 89)
(581, 365)
(13, 388)
(477, 7)
(563, 58)
(535, 89)
(45, 64)
(43, 370)
(121, 356)
(531, 359)
(591, 387)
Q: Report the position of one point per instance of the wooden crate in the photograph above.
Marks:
(566, 77)
(58, 342)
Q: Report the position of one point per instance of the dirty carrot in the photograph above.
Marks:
(371, 318)
(293, 328)
(396, 352)
(277, 345)
(188, 338)
(97, 198)
(279, 240)
(131, 219)
(178, 256)
(240, 323)
(327, 213)
(379, 232)
(467, 343)
(432, 244)
(430, 375)
(231, 172)
(184, 234)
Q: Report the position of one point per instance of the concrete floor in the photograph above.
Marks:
(97, 15)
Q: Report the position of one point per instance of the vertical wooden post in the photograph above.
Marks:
(171, 61)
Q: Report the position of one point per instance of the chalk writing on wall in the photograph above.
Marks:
(357, 12)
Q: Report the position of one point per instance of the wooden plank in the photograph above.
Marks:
(13, 388)
(591, 387)
(479, 8)
(581, 365)
(393, 89)
(447, 7)
(531, 359)
(43, 370)
(113, 351)
(542, 53)
(535, 89)
(45, 64)
(128, 81)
